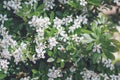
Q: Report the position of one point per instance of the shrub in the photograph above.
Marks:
(58, 40)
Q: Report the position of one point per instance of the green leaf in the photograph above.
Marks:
(99, 68)
(59, 14)
(52, 16)
(77, 31)
(40, 8)
(110, 55)
(112, 49)
(116, 43)
(95, 57)
(2, 75)
(69, 47)
(94, 2)
(89, 47)
(58, 60)
(34, 71)
(50, 53)
(86, 31)
(62, 64)
(47, 33)
(72, 4)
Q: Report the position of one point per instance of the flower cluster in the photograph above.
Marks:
(13, 4)
(31, 2)
(5, 43)
(108, 63)
(52, 42)
(54, 73)
(115, 77)
(91, 75)
(49, 4)
(18, 52)
(77, 22)
(40, 24)
(4, 64)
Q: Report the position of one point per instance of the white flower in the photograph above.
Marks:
(76, 24)
(40, 50)
(41, 53)
(64, 36)
(7, 39)
(4, 64)
(113, 77)
(49, 4)
(97, 48)
(90, 75)
(33, 21)
(67, 20)
(3, 18)
(6, 5)
(62, 33)
(6, 54)
(78, 21)
(57, 22)
(72, 28)
(83, 2)
(18, 54)
(75, 38)
(14, 4)
(39, 22)
(52, 43)
(108, 63)
(40, 32)
(54, 73)
(85, 20)
(72, 69)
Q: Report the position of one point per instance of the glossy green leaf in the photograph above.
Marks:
(52, 16)
(2, 75)
(89, 47)
(62, 64)
(94, 2)
(95, 57)
(110, 55)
